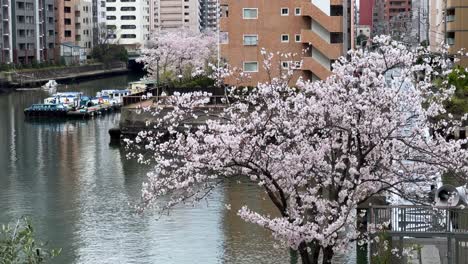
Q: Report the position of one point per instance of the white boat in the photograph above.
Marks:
(51, 84)
(111, 96)
(69, 99)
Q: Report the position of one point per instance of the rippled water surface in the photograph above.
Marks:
(77, 189)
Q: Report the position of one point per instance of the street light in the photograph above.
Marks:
(157, 70)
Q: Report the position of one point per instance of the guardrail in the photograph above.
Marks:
(419, 219)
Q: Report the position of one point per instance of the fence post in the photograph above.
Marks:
(449, 249)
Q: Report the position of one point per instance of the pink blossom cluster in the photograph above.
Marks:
(318, 149)
(179, 51)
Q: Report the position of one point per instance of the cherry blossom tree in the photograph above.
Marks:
(318, 149)
(179, 52)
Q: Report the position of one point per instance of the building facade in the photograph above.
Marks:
(366, 8)
(27, 31)
(209, 15)
(99, 21)
(456, 30)
(174, 14)
(128, 23)
(314, 34)
(84, 25)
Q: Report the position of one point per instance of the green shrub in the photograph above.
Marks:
(18, 244)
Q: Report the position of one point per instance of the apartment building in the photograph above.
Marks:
(174, 14)
(366, 8)
(84, 24)
(27, 30)
(128, 22)
(209, 15)
(392, 17)
(99, 21)
(314, 33)
(65, 17)
(456, 30)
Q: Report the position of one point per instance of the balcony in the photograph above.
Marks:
(330, 50)
(331, 23)
(310, 64)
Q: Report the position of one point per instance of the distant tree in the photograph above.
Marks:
(179, 52)
(318, 149)
(18, 244)
(458, 104)
(108, 53)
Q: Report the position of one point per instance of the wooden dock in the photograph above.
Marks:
(93, 111)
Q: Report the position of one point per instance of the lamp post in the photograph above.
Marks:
(157, 70)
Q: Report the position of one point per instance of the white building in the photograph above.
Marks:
(128, 23)
(84, 24)
(99, 21)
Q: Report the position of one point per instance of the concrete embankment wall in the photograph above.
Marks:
(133, 119)
(37, 77)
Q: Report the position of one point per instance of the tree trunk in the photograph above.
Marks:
(327, 255)
(304, 254)
(309, 257)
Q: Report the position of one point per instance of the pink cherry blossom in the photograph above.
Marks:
(318, 149)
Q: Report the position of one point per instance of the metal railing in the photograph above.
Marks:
(419, 219)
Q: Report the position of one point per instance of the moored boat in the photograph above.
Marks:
(57, 110)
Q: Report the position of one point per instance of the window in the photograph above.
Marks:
(250, 66)
(20, 5)
(51, 20)
(250, 40)
(127, 8)
(67, 9)
(110, 1)
(297, 37)
(285, 11)
(111, 17)
(21, 33)
(450, 15)
(285, 38)
(50, 8)
(67, 21)
(20, 19)
(51, 45)
(110, 8)
(297, 11)
(125, 1)
(22, 46)
(128, 17)
(67, 33)
(296, 65)
(128, 27)
(128, 36)
(111, 27)
(250, 13)
(451, 38)
(285, 65)
(29, 6)
(51, 32)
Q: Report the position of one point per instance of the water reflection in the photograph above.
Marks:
(78, 189)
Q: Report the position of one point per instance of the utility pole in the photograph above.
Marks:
(445, 23)
(419, 24)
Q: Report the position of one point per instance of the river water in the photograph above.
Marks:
(79, 192)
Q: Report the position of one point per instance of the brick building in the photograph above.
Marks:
(315, 33)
